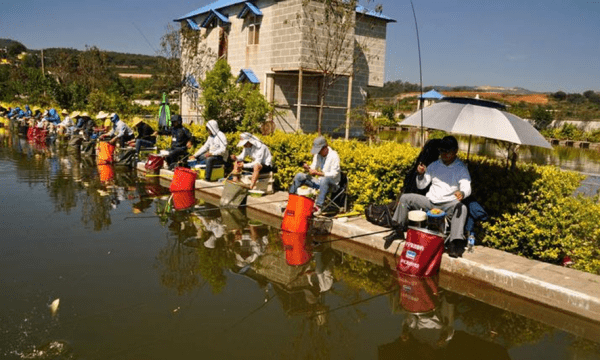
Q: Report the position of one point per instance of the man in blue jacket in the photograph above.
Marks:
(180, 143)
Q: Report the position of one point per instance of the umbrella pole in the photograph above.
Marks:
(469, 148)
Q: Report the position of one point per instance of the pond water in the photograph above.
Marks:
(134, 275)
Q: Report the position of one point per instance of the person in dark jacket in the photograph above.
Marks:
(145, 135)
(181, 141)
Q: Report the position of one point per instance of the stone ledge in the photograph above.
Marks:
(564, 289)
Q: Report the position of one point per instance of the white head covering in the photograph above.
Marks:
(247, 137)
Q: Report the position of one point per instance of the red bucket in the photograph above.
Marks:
(183, 179)
(422, 253)
(297, 214)
(105, 153)
(294, 245)
(183, 200)
(154, 163)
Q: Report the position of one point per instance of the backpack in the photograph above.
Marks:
(125, 157)
(381, 214)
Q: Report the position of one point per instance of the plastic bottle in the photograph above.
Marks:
(470, 243)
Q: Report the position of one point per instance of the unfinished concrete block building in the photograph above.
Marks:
(272, 43)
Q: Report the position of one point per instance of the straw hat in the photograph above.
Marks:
(75, 114)
(84, 114)
(101, 115)
(64, 112)
(136, 121)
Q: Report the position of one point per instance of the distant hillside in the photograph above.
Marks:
(127, 63)
(393, 88)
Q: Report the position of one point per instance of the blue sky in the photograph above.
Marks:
(539, 45)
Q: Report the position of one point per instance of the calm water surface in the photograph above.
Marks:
(137, 277)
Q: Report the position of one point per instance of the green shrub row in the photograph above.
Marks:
(532, 210)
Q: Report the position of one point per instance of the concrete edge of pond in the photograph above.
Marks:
(554, 286)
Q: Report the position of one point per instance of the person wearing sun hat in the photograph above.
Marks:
(66, 124)
(145, 135)
(259, 153)
(324, 174)
(120, 132)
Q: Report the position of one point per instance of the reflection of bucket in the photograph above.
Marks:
(297, 214)
(105, 153)
(183, 180)
(418, 295)
(422, 253)
(107, 173)
(436, 222)
(183, 199)
(233, 194)
(294, 245)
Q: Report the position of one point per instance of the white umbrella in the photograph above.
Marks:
(478, 118)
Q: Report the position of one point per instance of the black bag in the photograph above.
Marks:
(381, 214)
(125, 157)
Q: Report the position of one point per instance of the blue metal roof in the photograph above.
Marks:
(247, 74)
(211, 16)
(221, 4)
(249, 7)
(190, 80)
(193, 24)
(432, 94)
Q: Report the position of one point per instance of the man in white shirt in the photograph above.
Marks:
(450, 183)
(120, 132)
(326, 166)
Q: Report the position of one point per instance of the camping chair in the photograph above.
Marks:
(337, 200)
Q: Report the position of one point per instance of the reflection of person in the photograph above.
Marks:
(450, 183)
(214, 150)
(260, 154)
(326, 165)
(182, 140)
(216, 229)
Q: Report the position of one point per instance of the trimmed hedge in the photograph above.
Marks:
(532, 210)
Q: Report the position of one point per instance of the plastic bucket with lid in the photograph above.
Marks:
(436, 220)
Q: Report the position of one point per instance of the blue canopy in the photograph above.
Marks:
(247, 74)
(249, 7)
(211, 15)
(432, 94)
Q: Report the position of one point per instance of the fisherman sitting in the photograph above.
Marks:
(324, 174)
(450, 184)
(181, 141)
(214, 150)
(258, 152)
(120, 132)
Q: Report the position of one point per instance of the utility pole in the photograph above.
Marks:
(43, 72)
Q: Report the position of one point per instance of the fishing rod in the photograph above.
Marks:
(420, 72)
(316, 243)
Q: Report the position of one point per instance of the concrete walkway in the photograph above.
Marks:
(572, 293)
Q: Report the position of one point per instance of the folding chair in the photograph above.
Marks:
(338, 200)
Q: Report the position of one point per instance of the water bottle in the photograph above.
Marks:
(470, 243)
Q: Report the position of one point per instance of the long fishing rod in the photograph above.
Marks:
(420, 72)
(315, 243)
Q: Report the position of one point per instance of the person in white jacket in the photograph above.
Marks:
(258, 152)
(214, 150)
(324, 173)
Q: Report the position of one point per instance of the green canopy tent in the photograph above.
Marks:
(164, 113)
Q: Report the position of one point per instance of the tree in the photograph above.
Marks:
(560, 95)
(235, 107)
(15, 48)
(328, 29)
(542, 117)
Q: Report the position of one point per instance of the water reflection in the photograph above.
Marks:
(140, 275)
